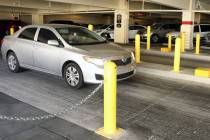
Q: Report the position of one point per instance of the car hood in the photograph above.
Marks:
(175, 34)
(105, 50)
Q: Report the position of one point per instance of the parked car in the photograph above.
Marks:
(203, 29)
(5, 26)
(133, 30)
(72, 52)
(67, 22)
(159, 31)
(103, 29)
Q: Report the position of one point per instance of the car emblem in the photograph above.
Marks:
(124, 60)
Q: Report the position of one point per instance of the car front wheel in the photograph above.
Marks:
(155, 38)
(73, 76)
(13, 62)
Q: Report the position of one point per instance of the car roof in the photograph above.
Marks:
(52, 25)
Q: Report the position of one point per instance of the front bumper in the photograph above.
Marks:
(96, 74)
(119, 77)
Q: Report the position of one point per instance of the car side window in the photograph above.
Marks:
(131, 27)
(205, 28)
(28, 34)
(139, 27)
(45, 35)
(165, 27)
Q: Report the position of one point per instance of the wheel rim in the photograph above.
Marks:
(12, 62)
(72, 76)
(155, 38)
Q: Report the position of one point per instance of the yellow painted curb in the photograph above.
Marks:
(165, 50)
(202, 72)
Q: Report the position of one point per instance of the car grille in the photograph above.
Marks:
(208, 36)
(120, 76)
(122, 62)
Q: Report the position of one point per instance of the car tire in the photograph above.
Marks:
(106, 36)
(73, 76)
(155, 38)
(13, 63)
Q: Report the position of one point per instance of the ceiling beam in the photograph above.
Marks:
(111, 4)
(13, 10)
(46, 6)
(180, 4)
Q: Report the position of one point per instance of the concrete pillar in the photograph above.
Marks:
(187, 28)
(188, 18)
(37, 18)
(197, 18)
(121, 29)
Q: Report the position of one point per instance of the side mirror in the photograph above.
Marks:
(53, 42)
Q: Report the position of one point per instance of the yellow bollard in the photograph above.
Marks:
(164, 49)
(12, 30)
(110, 129)
(177, 54)
(90, 27)
(148, 37)
(182, 42)
(170, 41)
(137, 49)
(198, 40)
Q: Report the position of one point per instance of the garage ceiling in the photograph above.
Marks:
(56, 6)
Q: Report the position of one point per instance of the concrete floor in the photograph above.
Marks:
(149, 108)
(53, 129)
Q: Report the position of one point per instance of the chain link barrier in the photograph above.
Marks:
(38, 118)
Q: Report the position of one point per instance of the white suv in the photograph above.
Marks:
(203, 29)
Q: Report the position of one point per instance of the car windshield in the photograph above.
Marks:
(156, 26)
(79, 36)
(103, 27)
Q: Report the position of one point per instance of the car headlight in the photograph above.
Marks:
(94, 60)
(133, 57)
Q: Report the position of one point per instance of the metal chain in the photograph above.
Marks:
(38, 118)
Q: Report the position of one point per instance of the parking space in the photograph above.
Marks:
(55, 129)
(148, 107)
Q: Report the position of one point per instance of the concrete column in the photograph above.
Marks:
(121, 30)
(187, 28)
(197, 18)
(37, 18)
(188, 18)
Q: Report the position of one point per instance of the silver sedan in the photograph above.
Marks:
(75, 53)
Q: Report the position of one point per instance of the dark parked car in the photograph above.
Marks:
(160, 30)
(67, 22)
(5, 26)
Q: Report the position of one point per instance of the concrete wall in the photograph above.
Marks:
(26, 18)
(205, 18)
(82, 18)
(6, 16)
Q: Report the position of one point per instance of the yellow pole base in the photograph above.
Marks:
(119, 132)
(165, 50)
(202, 72)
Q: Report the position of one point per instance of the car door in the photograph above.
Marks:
(132, 32)
(47, 57)
(164, 30)
(25, 46)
